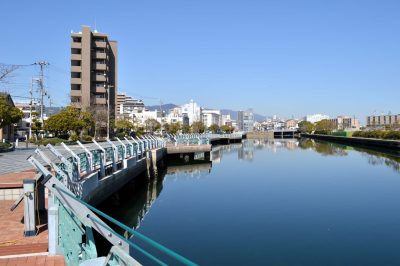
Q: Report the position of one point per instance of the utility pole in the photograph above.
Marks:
(42, 91)
(30, 111)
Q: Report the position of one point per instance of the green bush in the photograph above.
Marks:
(52, 141)
(74, 138)
(120, 135)
(378, 134)
(392, 135)
(87, 138)
(4, 145)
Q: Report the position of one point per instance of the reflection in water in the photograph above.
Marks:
(324, 148)
(246, 150)
(147, 190)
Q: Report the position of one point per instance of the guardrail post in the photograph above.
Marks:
(102, 159)
(124, 160)
(29, 207)
(52, 224)
(115, 155)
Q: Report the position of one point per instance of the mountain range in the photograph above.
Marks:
(232, 113)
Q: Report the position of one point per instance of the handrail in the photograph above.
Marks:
(123, 226)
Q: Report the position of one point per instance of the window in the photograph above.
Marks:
(76, 51)
(77, 39)
(75, 63)
(75, 87)
(75, 74)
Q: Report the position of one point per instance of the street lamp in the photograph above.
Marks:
(107, 87)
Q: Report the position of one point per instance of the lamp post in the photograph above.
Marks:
(107, 87)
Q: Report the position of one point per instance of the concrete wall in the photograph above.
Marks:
(94, 191)
(387, 144)
(260, 135)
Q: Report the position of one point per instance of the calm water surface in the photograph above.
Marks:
(273, 202)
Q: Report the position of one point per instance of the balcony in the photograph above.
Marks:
(76, 57)
(101, 101)
(100, 66)
(101, 78)
(100, 55)
(76, 69)
(100, 90)
(100, 44)
(76, 93)
(77, 45)
(76, 81)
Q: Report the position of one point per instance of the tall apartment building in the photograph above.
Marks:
(93, 71)
(246, 120)
(346, 123)
(383, 120)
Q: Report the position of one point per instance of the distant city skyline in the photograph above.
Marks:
(289, 59)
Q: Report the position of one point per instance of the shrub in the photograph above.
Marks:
(87, 138)
(392, 135)
(4, 145)
(52, 141)
(74, 138)
(120, 135)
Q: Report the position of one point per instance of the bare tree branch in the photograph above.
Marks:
(5, 72)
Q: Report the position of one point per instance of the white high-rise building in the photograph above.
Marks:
(192, 110)
(316, 118)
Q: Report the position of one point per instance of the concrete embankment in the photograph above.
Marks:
(355, 141)
(97, 190)
(260, 135)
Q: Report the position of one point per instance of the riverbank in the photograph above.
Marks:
(357, 141)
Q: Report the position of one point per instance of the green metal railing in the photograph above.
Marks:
(140, 236)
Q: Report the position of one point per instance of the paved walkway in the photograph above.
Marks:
(33, 260)
(15, 161)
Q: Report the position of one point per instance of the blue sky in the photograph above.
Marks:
(278, 57)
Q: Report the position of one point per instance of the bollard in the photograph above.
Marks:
(16, 143)
(29, 207)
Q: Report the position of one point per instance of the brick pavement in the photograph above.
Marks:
(33, 260)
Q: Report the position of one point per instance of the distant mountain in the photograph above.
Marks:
(165, 107)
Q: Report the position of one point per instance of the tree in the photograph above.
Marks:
(166, 127)
(185, 128)
(70, 120)
(152, 125)
(227, 129)
(99, 115)
(124, 125)
(174, 127)
(198, 127)
(214, 128)
(5, 72)
(306, 127)
(8, 113)
(325, 126)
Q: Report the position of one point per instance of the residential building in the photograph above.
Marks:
(316, 118)
(346, 123)
(226, 120)
(192, 110)
(291, 124)
(246, 120)
(211, 117)
(29, 111)
(127, 105)
(7, 132)
(93, 71)
(382, 121)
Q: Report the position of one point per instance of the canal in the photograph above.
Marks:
(272, 202)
